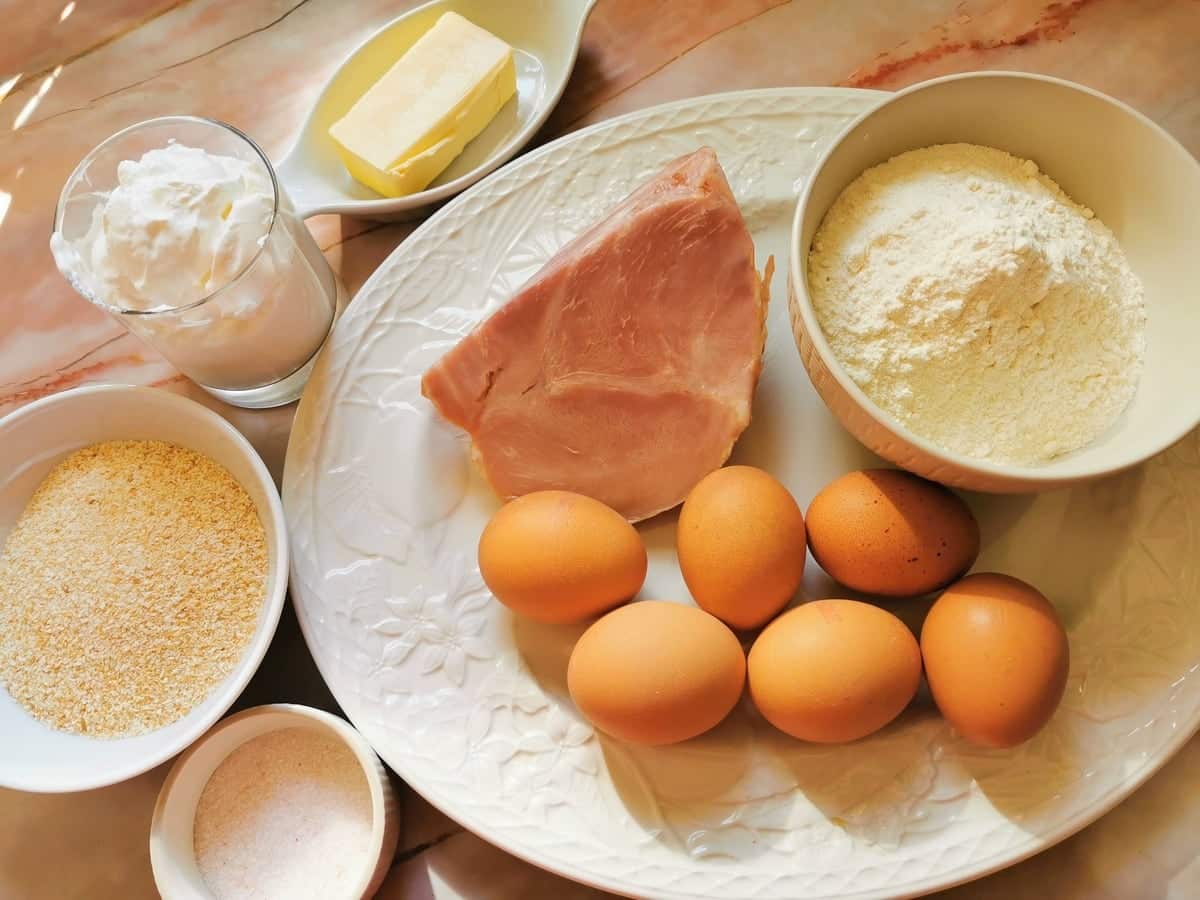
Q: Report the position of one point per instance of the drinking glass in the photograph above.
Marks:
(252, 341)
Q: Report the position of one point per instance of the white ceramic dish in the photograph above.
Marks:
(546, 39)
(171, 830)
(1140, 181)
(34, 757)
(469, 704)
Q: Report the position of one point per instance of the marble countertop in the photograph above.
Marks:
(71, 73)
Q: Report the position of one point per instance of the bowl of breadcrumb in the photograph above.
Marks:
(990, 283)
(143, 569)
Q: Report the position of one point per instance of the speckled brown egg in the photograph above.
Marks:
(886, 532)
(996, 658)
(832, 671)
(741, 545)
(656, 672)
(559, 557)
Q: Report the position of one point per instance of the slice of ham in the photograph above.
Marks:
(626, 367)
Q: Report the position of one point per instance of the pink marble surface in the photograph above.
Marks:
(71, 73)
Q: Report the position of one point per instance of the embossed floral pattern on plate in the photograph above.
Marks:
(469, 705)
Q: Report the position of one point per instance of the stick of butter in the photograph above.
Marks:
(413, 122)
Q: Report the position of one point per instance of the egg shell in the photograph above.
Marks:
(656, 673)
(996, 658)
(741, 545)
(559, 557)
(890, 533)
(834, 670)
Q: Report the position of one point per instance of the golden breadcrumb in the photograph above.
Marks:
(129, 588)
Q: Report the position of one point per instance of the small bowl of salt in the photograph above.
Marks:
(278, 801)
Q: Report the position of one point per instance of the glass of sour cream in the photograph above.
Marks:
(179, 228)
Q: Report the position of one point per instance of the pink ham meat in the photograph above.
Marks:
(626, 367)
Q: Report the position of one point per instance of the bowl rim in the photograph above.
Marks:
(1034, 477)
(380, 790)
(270, 609)
(435, 194)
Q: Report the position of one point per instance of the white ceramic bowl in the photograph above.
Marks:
(34, 757)
(171, 849)
(545, 38)
(1139, 180)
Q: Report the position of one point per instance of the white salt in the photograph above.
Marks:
(286, 815)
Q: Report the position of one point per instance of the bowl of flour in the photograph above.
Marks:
(991, 283)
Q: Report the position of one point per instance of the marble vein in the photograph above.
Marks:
(1145, 51)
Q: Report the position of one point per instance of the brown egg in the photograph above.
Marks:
(559, 557)
(741, 545)
(996, 658)
(656, 673)
(886, 532)
(832, 671)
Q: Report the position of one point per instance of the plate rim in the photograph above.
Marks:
(962, 874)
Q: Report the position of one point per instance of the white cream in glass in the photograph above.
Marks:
(179, 228)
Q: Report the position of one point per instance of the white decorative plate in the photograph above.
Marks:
(468, 704)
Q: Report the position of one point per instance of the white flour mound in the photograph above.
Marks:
(969, 297)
